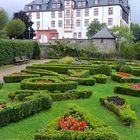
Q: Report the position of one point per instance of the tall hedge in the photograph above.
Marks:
(9, 49)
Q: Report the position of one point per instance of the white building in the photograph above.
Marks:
(70, 18)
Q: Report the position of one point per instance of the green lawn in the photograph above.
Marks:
(25, 129)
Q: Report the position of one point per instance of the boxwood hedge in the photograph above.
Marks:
(100, 78)
(86, 81)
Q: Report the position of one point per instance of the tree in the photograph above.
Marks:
(15, 27)
(3, 18)
(94, 27)
(29, 32)
(135, 29)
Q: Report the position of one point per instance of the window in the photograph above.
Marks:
(52, 14)
(67, 3)
(38, 15)
(110, 11)
(38, 24)
(30, 15)
(75, 35)
(110, 21)
(30, 7)
(60, 23)
(68, 12)
(67, 22)
(60, 14)
(96, 2)
(79, 34)
(78, 12)
(110, 1)
(52, 24)
(86, 12)
(95, 19)
(82, 4)
(102, 40)
(86, 22)
(37, 7)
(77, 22)
(95, 11)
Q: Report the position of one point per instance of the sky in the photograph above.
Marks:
(12, 6)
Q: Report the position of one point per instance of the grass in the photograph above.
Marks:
(25, 129)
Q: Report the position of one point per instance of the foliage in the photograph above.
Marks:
(1, 84)
(36, 51)
(86, 81)
(126, 69)
(29, 33)
(3, 18)
(66, 60)
(9, 49)
(15, 27)
(94, 27)
(100, 78)
(124, 112)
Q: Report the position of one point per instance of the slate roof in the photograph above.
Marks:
(103, 34)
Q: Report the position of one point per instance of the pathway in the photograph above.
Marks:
(18, 68)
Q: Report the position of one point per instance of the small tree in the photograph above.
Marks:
(15, 27)
(94, 27)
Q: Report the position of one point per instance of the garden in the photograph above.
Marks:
(72, 99)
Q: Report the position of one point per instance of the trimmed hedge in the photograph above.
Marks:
(21, 95)
(124, 112)
(100, 78)
(18, 77)
(78, 73)
(1, 84)
(9, 49)
(54, 84)
(86, 81)
(15, 112)
(42, 72)
(126, 90)
(136, 72)
(100, 131)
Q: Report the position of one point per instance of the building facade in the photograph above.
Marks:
(70, 18)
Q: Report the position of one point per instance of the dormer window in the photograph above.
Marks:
(110, 1)
(82, 4)
(54, 6)
(30, 7)
(37, 7)
(96, 2)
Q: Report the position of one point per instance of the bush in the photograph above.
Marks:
(9, 49)
(100, 131)
(126, 90)
(125, 69)
(1, 84)
(78, 73)
(18, 77)
(36, 51)
(124, 112)
(86, 81)
(136, 72)
(119, 64)
(16, 112)
(100, 78)
(104, 69)
(48, 83)
(66, 60)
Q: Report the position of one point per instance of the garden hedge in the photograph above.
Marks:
(1, 84)
(126, 90)
(21, 95)
(18, 111)
(100, 78)
(9, 49)
(124, 112)
(18, 77)
(51, 84)
(100, 131)
(136, 72)
(86, 81)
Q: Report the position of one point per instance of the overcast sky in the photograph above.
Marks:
(15, 5)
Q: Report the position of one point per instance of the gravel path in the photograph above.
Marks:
(18, 68)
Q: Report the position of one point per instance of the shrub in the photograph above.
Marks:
(86, 81)
(119, 64)
(136, 72)
(18, 77)
(104, 69)
(9, 49)
(16, 112)
(100, 131)
(66, 60)
(48, 83)
(127, 90)
(36, 51)
(100, 78)
(1, 84)
(126, 69)
(124, 111)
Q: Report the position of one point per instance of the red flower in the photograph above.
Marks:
(123, 74)
(135, 86)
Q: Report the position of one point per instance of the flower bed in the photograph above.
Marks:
(128, 89)
(121, 108)
(21, 95)
(100, 78)
(78, 73)
(49, 83)
(18, 77)
(76, 124)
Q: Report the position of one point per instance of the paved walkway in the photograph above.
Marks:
(18, 68)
